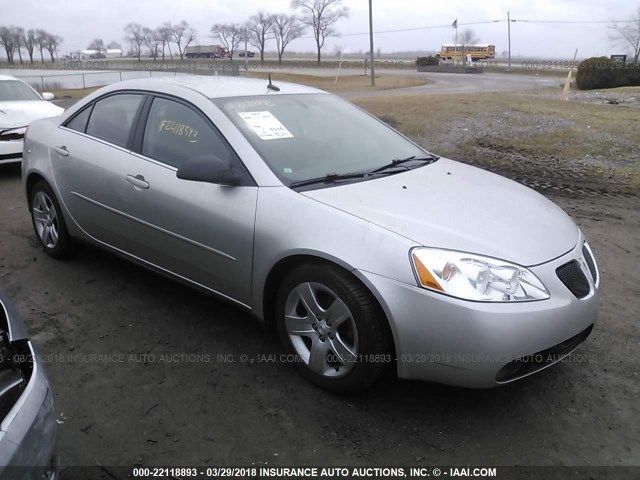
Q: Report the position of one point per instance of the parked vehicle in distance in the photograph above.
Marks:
(19, 105)
(28, 425)
(249, 54)
(364, 250)
(460, 52)
(206, 51)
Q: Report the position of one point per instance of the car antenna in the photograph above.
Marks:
(272, 86)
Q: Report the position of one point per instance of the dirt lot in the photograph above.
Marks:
(117, 338)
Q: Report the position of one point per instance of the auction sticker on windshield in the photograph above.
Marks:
(265, 125)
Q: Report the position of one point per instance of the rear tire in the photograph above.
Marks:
(48, 222)
(334, 328)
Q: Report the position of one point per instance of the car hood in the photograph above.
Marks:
(455, 206)
(21, 114)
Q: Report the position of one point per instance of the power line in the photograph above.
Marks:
(448, 25)
(430, 27)
(574, 21)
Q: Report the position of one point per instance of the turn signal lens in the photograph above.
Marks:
(426, 279)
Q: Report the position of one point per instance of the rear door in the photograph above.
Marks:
(90, 156)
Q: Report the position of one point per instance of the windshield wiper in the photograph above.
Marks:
(335, 177)
(328, 178)
(430, 158)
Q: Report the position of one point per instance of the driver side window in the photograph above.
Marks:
(175, 133)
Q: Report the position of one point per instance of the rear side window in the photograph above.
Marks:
(112, 117)
(175, 133)
(79, 122)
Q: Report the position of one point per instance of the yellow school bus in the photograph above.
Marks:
(477, 52)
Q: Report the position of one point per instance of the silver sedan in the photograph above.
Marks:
(367, 253)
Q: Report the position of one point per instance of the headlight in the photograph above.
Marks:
(474, 277)
(15, 131)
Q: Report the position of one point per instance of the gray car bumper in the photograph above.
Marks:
(28, 432)
(479, 345)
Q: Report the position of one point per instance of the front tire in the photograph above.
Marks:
(48, 222)
(334, 327)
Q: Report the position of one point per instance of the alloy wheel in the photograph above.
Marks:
(45, 219)
(321, 329)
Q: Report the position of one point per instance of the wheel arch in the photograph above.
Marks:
(286, 264)
(32, 179)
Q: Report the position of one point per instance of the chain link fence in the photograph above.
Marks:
(56, 80)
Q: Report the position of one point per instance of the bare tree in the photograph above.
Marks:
(466, 39)
(7, 40)
(627, 35)
(135, 36)
(166, 37)
(18, 35)
(152, 40)
(183, 35)
(41, 42)
(230, 35)
(52, 43)
(259, 28)
(97, 44)
(286, 28)
(321, 16)
(29, 41)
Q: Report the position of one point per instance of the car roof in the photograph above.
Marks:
(6, 77)
(217, 86)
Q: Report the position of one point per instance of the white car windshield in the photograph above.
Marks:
(16, 91)
(309, 136)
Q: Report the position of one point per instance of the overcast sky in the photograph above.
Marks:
(80, 21)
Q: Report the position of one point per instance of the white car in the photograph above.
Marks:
(19, 106)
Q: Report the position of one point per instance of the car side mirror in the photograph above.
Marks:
(210, 169)
(48, 96)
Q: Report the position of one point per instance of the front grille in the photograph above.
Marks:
(574, 278)
(10, 156)
(591, 263)
(8, 137)
(534, 363)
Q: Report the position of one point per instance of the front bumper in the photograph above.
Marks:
(474, 344)
(11, 151)
(28, 432)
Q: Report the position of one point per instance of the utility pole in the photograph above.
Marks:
(246, 55)
(456, 46)
(509, 30)
(373, 76)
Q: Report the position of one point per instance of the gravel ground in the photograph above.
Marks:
(142, 371)
(580, 147)
(486, 140)
(613, 97)
(159, 406)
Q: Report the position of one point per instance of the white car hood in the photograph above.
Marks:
(21, 114)
(455, 206)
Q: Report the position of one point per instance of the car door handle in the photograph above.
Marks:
(138, 181)
(62, 151)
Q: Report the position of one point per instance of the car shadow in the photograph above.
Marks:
(242, 328)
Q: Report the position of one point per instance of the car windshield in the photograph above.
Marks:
(15, 90)
(308, 136)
